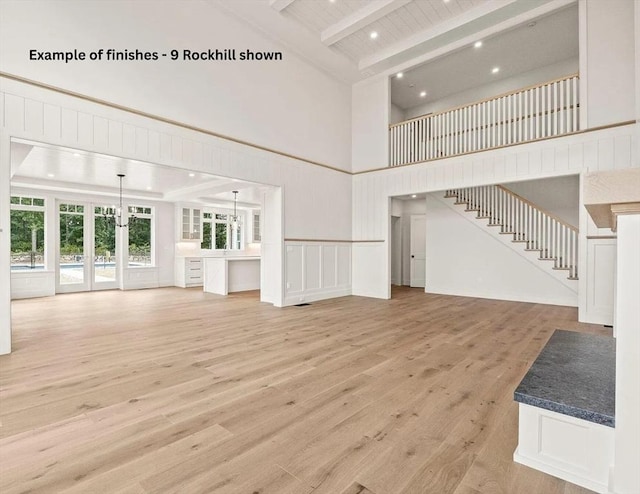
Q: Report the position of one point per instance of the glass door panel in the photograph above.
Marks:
(104, 247)
(71, 260)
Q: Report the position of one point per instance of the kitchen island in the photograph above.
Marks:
(225, 274)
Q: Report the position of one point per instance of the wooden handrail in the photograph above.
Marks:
(503, 95)
(503, 146)
(526, 201)
(504, 122)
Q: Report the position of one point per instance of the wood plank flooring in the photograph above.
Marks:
(177, 391)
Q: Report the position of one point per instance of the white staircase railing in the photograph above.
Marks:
(545, 110)
(555, 239)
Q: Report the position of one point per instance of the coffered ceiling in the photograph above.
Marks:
(72, 171)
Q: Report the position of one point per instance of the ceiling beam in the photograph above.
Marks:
(199, 188)
(361, 18)
(223, 203)
(102, 190)
(280, 5)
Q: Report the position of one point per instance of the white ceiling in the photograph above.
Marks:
(552, 39)
(334, 35)
(61, 169)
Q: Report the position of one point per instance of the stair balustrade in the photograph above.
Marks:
(538, 230)
(537, 112)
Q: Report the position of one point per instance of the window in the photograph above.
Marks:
(27, 233)
(140, 236)
(219, 232)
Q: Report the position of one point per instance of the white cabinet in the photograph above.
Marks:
(190, 226)
(257, 235)
(188, 271)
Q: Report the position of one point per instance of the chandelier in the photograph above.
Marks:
(115, 218)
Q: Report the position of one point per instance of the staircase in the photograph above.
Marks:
(537, 230)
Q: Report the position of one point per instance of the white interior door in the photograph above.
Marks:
(418, 250)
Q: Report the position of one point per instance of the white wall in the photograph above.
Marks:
(287, 105)
(310, 208)
(396, 114)
(42, 283)
(542, 74)
(606, 149)
(627, 454)
(608, 59)
(370, 124)
(559, 196)
(464, 258)
(5, 248)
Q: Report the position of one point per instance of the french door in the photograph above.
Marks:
(86, 257)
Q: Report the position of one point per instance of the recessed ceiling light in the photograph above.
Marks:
(76, 154)
(414, 196)
(495, 70)
(149, 188)
(373, 35)
(332, 1)
(50, 175)
(477, 44)
(423, 94)
(399, 75)
(192, 175)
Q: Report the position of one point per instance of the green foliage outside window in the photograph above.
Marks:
(140, 242)
(23, 226)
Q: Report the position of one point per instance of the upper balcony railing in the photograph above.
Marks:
(545, 110)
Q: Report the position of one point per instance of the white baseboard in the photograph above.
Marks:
(560, 473)
(306, 297)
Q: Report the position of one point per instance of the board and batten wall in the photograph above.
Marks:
(605, 149)
(37, 114)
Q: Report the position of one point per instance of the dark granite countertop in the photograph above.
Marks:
(575, 374)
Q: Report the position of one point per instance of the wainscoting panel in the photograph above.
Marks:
(600, 282)
(316, 270)
(140, 278)
(37, 283)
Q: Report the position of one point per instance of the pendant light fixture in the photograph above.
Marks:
(234, 217)
(115, 218)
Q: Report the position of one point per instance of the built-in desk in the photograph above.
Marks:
(567, 410)
(231, 274)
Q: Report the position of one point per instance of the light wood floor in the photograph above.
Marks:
(176, 391)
